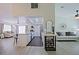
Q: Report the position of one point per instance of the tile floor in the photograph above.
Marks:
(7, 47)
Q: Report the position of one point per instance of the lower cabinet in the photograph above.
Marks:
(50, 43)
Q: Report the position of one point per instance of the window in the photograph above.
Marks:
(7, 28)
(34, 5)
(22, 29)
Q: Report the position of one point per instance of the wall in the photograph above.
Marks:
(46, 10)
(5, 11)
(65, 14)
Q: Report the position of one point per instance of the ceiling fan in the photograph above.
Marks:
(77, 15)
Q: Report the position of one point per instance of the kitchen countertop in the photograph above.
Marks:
(49, 34)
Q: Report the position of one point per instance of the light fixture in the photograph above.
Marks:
(77, 15)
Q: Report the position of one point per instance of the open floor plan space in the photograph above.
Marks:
(39, 29)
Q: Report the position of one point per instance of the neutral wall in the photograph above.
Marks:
(5, 11)
(45, 10)
(65, 14)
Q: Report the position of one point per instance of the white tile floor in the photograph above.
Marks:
(63, 48)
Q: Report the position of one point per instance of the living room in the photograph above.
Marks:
(44, 20)
(66, 25)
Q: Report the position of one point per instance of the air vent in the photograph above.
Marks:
(34, 5)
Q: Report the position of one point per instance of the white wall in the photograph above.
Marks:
(5, 11)
(45, 10)
(65, 14)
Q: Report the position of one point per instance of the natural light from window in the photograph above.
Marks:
(22, 30)
(7, 28)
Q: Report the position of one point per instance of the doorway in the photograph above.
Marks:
(37, 23)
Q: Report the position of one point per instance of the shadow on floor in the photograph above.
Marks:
(36, 41)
